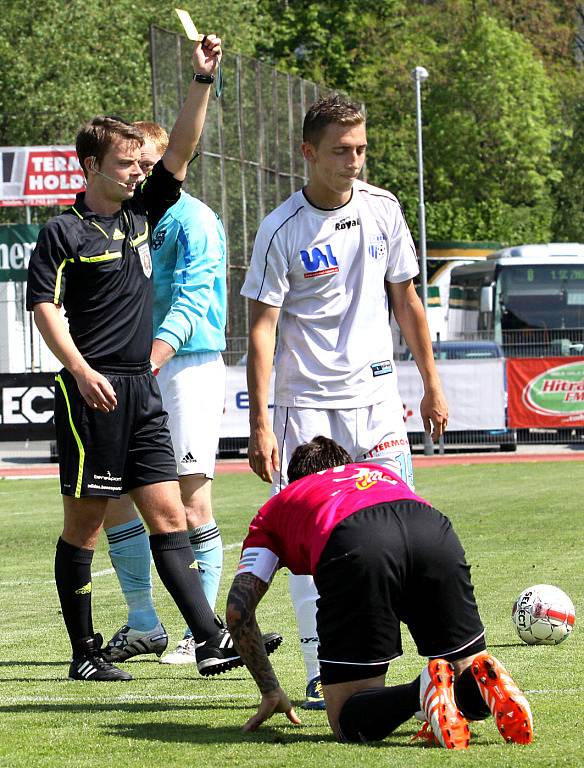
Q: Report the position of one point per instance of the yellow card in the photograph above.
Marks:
(188, 25)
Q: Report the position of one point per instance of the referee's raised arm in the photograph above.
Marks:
(185, 135)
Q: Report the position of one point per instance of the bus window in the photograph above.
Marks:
(542, 296)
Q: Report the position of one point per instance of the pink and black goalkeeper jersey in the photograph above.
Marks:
(296, 523)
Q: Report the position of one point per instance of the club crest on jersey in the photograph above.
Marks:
(158, 239)
(377, 247)
(145, 258)
(316, 263)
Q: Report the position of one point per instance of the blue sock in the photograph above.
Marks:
(207, 548)
(129, 550)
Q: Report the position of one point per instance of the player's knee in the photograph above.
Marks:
(166, 519)
(198, 514)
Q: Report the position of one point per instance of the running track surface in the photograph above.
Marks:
(226, 466)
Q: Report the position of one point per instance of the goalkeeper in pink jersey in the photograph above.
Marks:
(379, 555)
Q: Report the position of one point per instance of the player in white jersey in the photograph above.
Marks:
(322, 267)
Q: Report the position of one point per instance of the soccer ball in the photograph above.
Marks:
(543, 615)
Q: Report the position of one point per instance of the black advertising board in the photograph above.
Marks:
(26, 406)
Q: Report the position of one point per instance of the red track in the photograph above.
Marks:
(437, 460)
(239, 466)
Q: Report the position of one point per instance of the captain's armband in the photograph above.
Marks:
(259, 561)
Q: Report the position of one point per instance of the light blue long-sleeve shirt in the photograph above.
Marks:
(190, 293)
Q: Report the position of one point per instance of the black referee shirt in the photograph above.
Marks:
(100, 268)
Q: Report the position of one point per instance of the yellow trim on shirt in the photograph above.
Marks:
(107, 256)
(58, 281)
(103, 232)
(141, 238)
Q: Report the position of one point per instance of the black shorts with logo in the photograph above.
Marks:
(106, 454)
(400, 561)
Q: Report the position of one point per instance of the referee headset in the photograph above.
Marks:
(93, 168)
(120, 184)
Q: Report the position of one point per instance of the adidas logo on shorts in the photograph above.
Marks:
(188, 459)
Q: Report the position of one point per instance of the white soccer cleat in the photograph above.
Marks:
(183, 654)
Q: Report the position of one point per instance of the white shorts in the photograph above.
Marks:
(375, 433)
(193, 393)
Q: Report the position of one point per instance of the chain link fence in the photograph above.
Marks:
(249, 159)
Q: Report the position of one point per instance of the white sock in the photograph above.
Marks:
(304, 597)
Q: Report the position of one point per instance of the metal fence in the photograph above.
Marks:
(535, 342)
(527, 342)
(250, 158)
(560, 352)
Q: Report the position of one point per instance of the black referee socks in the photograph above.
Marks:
(73, 580)
(173, 558)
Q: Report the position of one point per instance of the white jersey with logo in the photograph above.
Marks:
(326, 270)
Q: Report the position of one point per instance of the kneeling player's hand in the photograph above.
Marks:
(272, 702)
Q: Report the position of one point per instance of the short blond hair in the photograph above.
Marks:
(155, 133)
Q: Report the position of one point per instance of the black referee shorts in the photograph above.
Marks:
(106, 454)
(393, 562)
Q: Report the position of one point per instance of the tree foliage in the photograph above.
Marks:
(503, 125)
(62, 61)
(489, 139)
(568, 219)
(503, 82)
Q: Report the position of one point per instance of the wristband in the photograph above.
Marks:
(206, 79)
(154, 369)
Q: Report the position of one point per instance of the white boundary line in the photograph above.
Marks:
(547, 691)
(94, 575)
(138, 698)
(124, 698)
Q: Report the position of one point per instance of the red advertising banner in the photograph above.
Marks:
(545, 392)
(39, 176)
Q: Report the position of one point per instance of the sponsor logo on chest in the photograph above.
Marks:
(347, 223)
(381, 368)
(318, 262)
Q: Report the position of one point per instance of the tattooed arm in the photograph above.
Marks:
(245, 593)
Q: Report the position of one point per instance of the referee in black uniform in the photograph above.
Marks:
(94, 259)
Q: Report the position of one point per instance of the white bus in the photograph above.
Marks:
(529, 298)
(441, 259)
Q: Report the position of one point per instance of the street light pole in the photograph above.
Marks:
(420, 74)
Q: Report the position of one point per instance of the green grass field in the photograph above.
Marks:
(520, 524)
